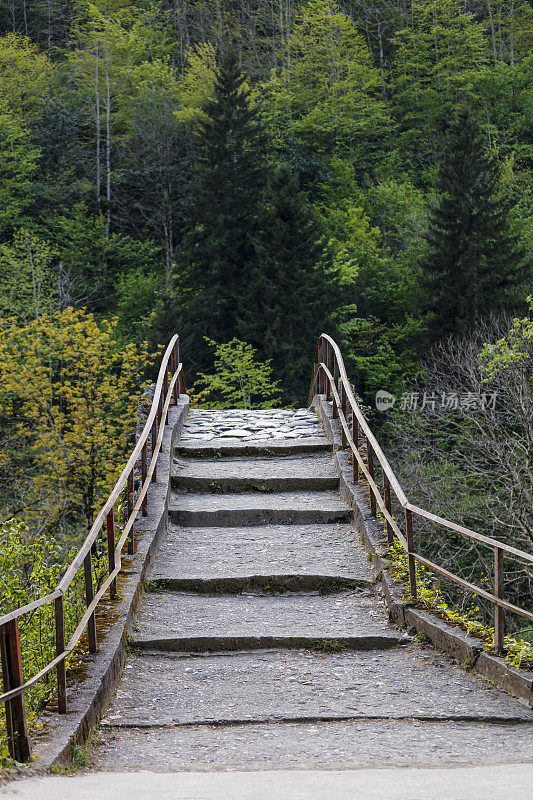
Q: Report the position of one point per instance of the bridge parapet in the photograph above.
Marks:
(169, 386)
(330, 380)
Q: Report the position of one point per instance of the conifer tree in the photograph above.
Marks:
(474, 259)
(253, 259)
(220, 247)
(293, 289)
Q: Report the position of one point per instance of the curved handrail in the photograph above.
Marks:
(330, 378)
(165, 393)
(113, 497)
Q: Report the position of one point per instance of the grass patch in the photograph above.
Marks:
(518, 652)
(329, 646)
(80, 758)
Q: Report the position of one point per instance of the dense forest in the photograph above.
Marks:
(377, 180)
(262, 170)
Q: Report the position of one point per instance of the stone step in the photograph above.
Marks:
(257, 508)
(225, 644)
(184, 622)
(293, 685)
(274, 557)
(221, 448)
(288, 474)
(269, 584)
(313, 745)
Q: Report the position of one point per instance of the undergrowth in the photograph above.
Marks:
(518, 652)
(31, 566)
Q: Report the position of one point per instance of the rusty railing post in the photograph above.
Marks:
(17, 733)
(144, 472)
(178, 361)
(342, 392)
(153, 443)
(129, 506)
(159, 410)
(410, 551)
(165, 392)
(370, 465)
(321, 373)
(355, 436)
(110, 521)
(177, 367)
(89, 596)
(173, 363)
(327, 360)
(498, 592)
(388, 506)
(61, 668)
(335, 376)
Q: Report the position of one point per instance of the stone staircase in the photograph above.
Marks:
(260, 642)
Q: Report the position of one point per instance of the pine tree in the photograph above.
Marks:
(254, 260)
(292, 291)
(474, 259)
(220, 247)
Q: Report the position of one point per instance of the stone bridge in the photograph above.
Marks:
(268, 635)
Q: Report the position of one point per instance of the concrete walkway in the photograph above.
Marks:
(261, 645)
(509, 782)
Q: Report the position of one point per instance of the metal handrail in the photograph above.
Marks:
(15, 687)
(330, 379)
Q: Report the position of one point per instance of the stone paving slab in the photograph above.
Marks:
(258, 508)
(171, 689)
(359, 744)
(261, 474)
(173, 621)
(246, 425)
(284, 550)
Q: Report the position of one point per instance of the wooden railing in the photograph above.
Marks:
(330, 379)
(167, 391)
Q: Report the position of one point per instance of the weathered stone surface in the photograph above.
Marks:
(248, 425)
(171, 689)
(173, 621)
(358, 744)
(453, 640)
(258, 508)
(283, 550)
(516, 681)
(229, 644)
(216, 677)
(264, 474)
(217, 448)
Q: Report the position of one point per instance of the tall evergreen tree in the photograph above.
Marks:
(219, 250)
(474, 259)
(293, 289)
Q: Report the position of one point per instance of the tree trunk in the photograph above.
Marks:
(108, 146)
(381, 55)
(97, 110)
(492, 34)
